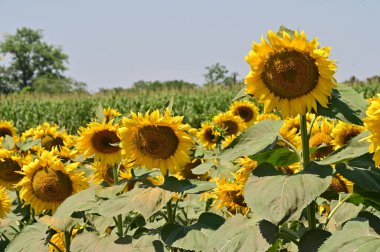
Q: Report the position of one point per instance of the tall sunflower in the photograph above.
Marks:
(344, 132)
(246, 110)
(5, 202)
(323, 139)
(290, 73)
(110, 113)
(270, 116)
(100, 140)
(156, 141)
(47, 182)
(104, 172)
(372, 124)
(10, 165)
(208, 136)
(7, 129)
(232, 124)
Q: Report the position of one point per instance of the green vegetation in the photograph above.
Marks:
(74, 110)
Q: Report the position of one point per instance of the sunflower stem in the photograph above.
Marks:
(336, 208)
(119, 224)
(115, 173)
(169, 212)
(305, 161)
(288, 234)
(67, 240)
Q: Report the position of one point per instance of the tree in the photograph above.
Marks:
(215, 74)
(31, 57)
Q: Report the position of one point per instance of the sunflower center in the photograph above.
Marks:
(157, 141)
(245, 113)
(237, 199)
(7, 170)
(349, 135)
(209, 135)
(104, 141)
(5, 131)
(290, 74)
(231, 127)
(48, 142)
(50, 185)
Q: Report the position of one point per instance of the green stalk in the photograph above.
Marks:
(305, 161)
(336, 208)
(119, 220)
(169, 209)
(67, 241)
(288, 234)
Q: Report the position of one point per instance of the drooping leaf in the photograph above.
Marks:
(276, 157)
(239, 234)
(31, 238)
(63, 223)
(100, 117)
(312, 239)
(253, 140)
(192, 237)
(354, 149)
(365, 177)
(345, 212)
(8, 142)
(114, 206)
(279, 198)
(356, 235)
(203, 168)
(346, 105)
(92, 242)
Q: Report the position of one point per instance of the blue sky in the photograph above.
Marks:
(117, 42)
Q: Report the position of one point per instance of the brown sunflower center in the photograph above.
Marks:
(338, 184)
(157, 141)
(5, 131)
(231, 127)
(237, 199)
(50, 185)
(104, 141)
(349, 135)
(290, 74)
(209, 135)
(48, 142)
(7, 170)
(245, 113)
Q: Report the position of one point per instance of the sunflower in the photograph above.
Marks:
(5, 202)
(110, 113)
(10, 165)
(156, 141)
(186, 172)
(104, 172)
(58, 239)
(100, 140)
(344, 132)
(246, 110)
(7, 129)
(290, 73)
(232, 124)
(246, 163)
(372, 124)
(323, 139)
(341, 184)
(270, 116)
(50, 135)
(208, 136)
(47, 182)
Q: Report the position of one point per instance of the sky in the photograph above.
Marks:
(115, 43)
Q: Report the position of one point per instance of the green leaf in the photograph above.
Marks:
(366, 198)
(253, 140)
(364, 177)
(344, 213)
(279, 198)
(239, 234)
(240, 95)
(203, 168)
(354, 149)
(81, 201)
(28, 145)
(192, 237)
(346, 105)
(99, 113)
(186, 186)
(276, 157)
(92, 242)
(312, 239)
(8, 143)
(114, 206)
(356, 235)
(147, 243)
(109, 192)
(31, 238)
(63, 224)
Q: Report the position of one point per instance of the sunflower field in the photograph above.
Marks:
(291, 164)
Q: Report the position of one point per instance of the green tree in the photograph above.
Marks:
(215, 74)
(31, 57)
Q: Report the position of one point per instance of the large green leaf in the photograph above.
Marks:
(345, 212)
(239, 234)
(31, 238)
(312, 239)
(147, 243)
(345, 104)
(192, 237)
(276, 157)
(92, 242)
(354, 149)
(365, 177)
(356, 235)
(279, 198)
(253, 140)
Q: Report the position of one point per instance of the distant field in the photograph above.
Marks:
(72, 111)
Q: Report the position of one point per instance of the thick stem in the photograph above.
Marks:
(115, 173)
(311, 211)
(169, 211)
(120, 225)
(67, 240)
(336, 208)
